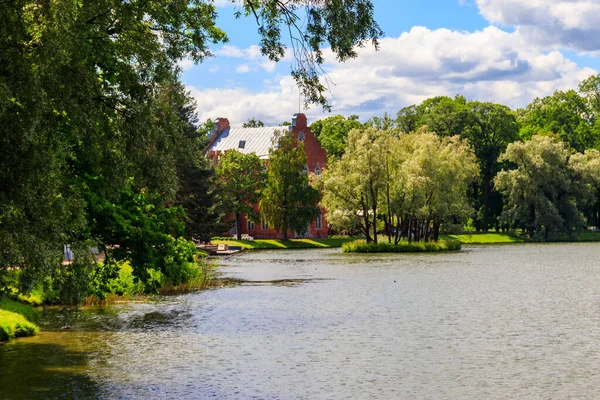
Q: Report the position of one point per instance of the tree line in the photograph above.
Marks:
(559, 133)
(100, 145)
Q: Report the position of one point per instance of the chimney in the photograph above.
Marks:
(299, 121)
(220, 125)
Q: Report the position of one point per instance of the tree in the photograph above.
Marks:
(288, 202)
(90, 116)
(240, 178)
(332, 132)
(492, 127)
(412, 182)
(253, 123)
(563, 114)
(353, 184)
(547, 190)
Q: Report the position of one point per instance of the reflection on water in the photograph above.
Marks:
(519, 321)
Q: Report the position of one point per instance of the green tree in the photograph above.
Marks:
(240, 178)
(547, 190)
(563, 114)
(91, 116)
(353, 184)
(253, 123)
(289, 201)
(332, 133)
(491, 128)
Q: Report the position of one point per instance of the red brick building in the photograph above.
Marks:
(259, 141)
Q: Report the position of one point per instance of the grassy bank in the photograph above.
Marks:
(501, 238)
(16, 320)
(487, 238)
(361, 246)
(266, 244)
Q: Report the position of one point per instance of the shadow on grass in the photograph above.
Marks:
(34, 370)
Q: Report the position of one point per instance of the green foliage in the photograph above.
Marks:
(361, 246)
(546, 191)
(343, 25)
(407, 185)
(16, 320)
(289, 201)
(240, 177)
(566, 114)
(13, 325)
(332, 132)
(253, 123)
(25, 310)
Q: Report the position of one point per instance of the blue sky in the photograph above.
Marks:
(505, 51)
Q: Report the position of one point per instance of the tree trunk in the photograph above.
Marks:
(238, 226)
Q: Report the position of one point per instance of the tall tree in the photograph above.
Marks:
(354, 184)
(240, 178)
(563, 114)
(332, 132)
(492, 127)
(86, 118)
(547, 190)
(289, 201)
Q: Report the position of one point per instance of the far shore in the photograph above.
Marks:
(489, 238)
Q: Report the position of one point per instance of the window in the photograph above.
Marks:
(317, 169)
(301, 136)
(250, 225)
(319, 220)
(263, 224)
(306, 168)
(242, 144)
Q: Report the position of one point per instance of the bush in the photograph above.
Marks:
(361, 246)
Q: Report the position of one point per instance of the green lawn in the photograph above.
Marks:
(16, 320)
(259, 244)
(486, 238)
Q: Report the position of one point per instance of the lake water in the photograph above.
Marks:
(506, 322)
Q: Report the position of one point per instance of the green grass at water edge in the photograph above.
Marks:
(16, 320)
(271, 244)
(361, 246)
(486, 238)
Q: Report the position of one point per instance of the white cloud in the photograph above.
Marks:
(242, 69)
(488, 65)
(186, 64)
(573, 24)
(213, 69)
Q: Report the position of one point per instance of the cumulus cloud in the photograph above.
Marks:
(488, 65)
(573, 24)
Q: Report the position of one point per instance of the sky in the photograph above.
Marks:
(503, 51)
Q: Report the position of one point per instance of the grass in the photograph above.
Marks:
(265, 244)
(361, 246)
(487, 238)
(589, 237)
(16, 320)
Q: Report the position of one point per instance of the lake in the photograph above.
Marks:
(511, 321)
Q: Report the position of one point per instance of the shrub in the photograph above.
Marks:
(361, 246)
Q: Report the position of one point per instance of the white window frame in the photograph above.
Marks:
(317, 169)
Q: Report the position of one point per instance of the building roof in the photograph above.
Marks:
(246, 140)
